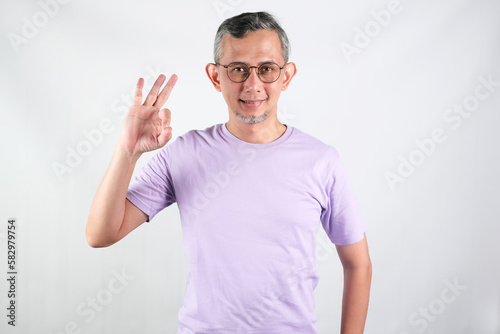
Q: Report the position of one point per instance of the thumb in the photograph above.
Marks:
(165, 136)
(165, 117)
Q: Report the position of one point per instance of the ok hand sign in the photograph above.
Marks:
(146, 127)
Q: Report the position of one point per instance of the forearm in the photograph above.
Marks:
(355, 299)
(108, 207)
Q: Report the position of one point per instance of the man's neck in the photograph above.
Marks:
(258, 133)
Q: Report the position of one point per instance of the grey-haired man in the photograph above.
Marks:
(251, 193)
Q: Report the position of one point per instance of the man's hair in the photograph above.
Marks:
(239, 26)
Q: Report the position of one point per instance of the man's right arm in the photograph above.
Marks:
(111, 215)
(145, 128)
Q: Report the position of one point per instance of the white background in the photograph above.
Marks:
(437, 226)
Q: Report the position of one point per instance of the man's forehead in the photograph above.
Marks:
(258, 46)
(236, 62)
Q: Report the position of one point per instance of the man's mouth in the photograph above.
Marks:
(251, 101)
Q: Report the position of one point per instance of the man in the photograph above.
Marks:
(251, 194)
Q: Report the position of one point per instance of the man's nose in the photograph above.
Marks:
(253, 81)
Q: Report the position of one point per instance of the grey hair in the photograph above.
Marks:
(240, 25)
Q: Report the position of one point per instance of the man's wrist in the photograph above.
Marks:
(125, 156)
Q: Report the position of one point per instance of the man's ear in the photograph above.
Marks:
(290, 71)
(213, 75)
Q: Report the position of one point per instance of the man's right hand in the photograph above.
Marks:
(146, 127)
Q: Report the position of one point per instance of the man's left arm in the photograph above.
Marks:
(357, 265)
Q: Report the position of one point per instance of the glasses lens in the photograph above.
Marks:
(238, 72)
(269, 72)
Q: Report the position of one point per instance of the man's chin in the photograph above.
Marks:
(251, 119)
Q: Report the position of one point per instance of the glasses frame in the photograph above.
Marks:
(250, 70)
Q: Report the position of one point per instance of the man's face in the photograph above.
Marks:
(253, 100)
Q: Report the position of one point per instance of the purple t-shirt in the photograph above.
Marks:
(250, 214)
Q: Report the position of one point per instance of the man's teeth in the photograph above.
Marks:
(253, 102)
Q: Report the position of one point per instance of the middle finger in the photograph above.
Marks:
(153, 94)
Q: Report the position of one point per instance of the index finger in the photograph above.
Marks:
(165, 93)
(138, 91)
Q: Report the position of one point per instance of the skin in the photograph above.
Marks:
(355, 259)
(254, 49)
(146, 127)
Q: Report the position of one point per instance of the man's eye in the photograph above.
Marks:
(266, 69)
(238, 69)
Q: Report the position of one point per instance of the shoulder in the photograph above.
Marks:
(192, 143)
(195, 139)
(314, 146)
(197, 135)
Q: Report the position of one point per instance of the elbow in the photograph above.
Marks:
(359, 273)
(367, 266)
(369, 269)
(361, 266)
(96, 240)
(96, 244)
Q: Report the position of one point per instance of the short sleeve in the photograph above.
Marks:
(151, 190)
(342, 218)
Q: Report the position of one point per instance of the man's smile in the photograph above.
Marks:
(252, 103)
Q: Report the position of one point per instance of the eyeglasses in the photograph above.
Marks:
(239, 72)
